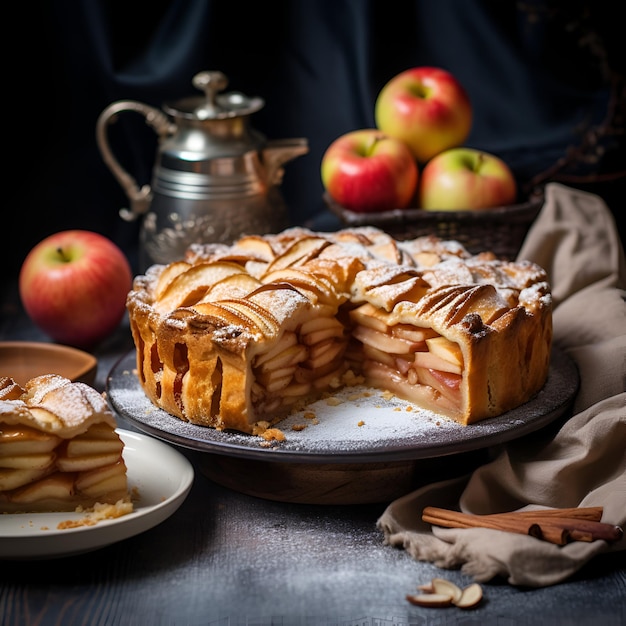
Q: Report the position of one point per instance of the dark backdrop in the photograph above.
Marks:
(546, 80)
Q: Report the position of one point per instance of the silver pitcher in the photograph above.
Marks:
(215, 178)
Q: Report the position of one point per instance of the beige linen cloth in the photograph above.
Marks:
(584, 464)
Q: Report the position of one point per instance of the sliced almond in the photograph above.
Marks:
(440, 592)
(435, 600)
(442, 586)
(470, 596)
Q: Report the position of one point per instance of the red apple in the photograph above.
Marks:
(427, 108)
(465, 178)
(366, 171)
(73, 285)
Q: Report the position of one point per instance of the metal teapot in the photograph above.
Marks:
(215, 178)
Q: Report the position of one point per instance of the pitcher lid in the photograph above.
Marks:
(214, 105)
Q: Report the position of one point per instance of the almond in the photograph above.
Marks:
(470, 596)
(440, 592)
(445, 587)
(434, 600)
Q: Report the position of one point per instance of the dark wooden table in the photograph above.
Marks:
(233, 559)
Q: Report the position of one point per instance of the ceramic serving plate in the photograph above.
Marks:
(359, 424)
(360, 446)
(159, 475)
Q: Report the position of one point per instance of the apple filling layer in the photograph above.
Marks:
(58, 447)
(417, 363)
(233, 337)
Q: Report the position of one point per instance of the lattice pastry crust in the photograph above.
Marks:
(235, 337)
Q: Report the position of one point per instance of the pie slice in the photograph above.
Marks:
(59, 450)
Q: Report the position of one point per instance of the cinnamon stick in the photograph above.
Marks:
(557, 526)
(455, 519)
(583, 530)
(592, 513)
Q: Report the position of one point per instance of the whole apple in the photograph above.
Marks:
(73, 285)
(366, 171)
(466, 179)
(427, 108)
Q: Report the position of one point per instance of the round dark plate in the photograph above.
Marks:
(359, 424)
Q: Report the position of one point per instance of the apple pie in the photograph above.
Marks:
(59, 450)
(236, 337)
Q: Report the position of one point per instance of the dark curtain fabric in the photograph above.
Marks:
(546, 79)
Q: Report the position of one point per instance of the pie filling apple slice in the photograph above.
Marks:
(413, 357)
(301, 363)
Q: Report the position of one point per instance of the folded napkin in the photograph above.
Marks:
(579, 461)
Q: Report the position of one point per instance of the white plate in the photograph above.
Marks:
(160, 476)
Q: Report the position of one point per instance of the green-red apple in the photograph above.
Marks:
(73, 285)
(465, 178)
(366, 171)
(427, 108)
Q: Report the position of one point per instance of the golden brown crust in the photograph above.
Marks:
(232, 337)
(58, 447)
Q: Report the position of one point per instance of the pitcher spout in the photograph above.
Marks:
(277, 152)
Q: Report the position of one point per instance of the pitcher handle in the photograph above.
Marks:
(139, 198)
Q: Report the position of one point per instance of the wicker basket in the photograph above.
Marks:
(500, 230)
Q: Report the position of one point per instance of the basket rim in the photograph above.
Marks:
(522, 212)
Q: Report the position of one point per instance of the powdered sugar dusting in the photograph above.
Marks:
(360, 416)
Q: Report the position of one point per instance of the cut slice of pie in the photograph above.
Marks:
(59, 449)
